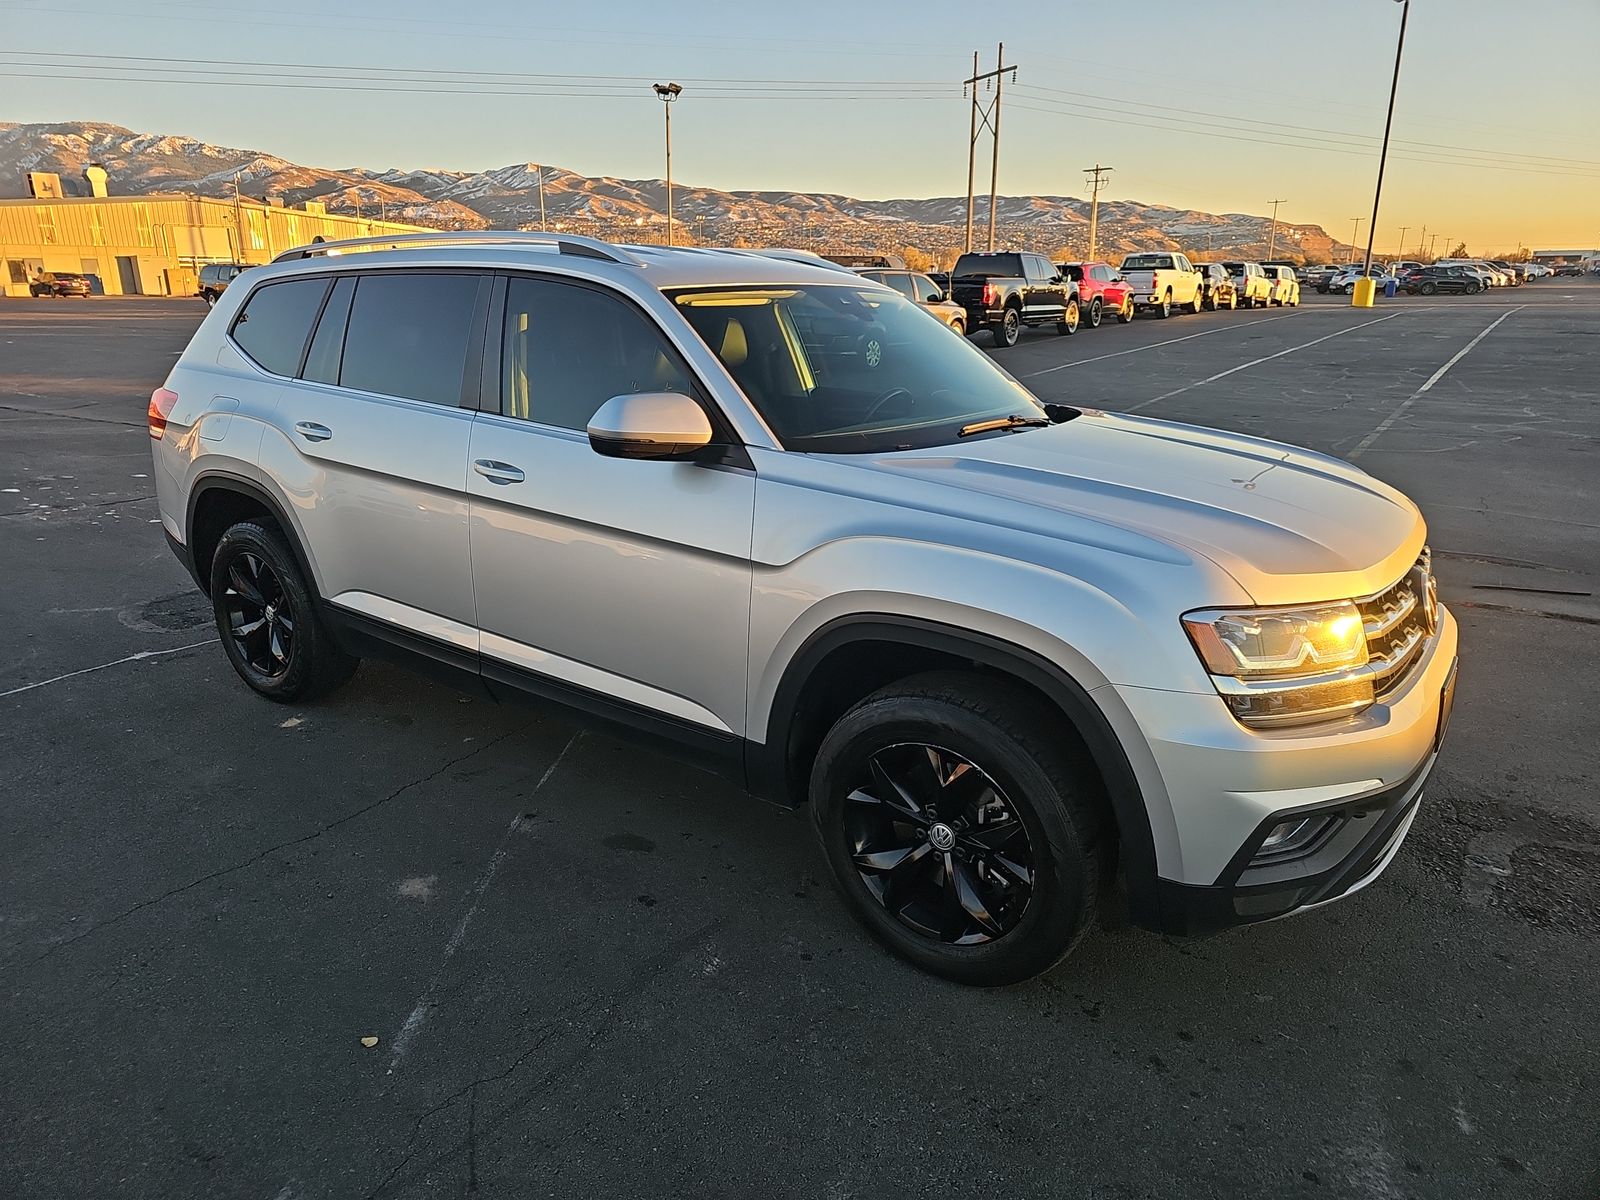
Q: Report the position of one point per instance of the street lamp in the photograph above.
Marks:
(668, 92)
(1365, 288)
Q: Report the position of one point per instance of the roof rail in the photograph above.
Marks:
(582, 247)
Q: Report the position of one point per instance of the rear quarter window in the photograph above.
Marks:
(407, 335)
(273, 326)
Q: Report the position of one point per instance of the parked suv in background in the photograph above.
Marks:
(1217, 288)
(1251, 282)
(919, 289)
(1100, 290)
(215, 278)
(1285, 286)
(772, 516)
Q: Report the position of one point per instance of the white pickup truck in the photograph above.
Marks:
(1162, 282)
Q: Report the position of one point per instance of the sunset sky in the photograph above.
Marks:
(1221, 106)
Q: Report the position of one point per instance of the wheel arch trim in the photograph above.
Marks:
(214, 480)
(767, 767)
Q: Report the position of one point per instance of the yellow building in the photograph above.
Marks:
(155, 245)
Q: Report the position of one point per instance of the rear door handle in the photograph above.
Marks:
(312, 432)
(498, 472)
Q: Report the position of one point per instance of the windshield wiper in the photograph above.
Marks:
(1014, 421)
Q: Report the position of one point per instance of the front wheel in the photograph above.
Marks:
(1009, 330)
(1233, 301)
(267, 619)
(1349, 289)
(960, 827)
(1474, 288)
(1125, 313)
(1095, 313)
(1197, 304)
(1428, 289)
(960, 326)
(1069, 319)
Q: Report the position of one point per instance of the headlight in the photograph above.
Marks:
(1284, 666)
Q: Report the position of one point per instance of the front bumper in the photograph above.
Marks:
(1215, 790)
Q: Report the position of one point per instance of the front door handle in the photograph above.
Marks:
(498, 472)
(312, 432)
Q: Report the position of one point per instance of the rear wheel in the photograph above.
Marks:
(1069, 318)
(1164, 309)
(961, 831)
(268, 620)
(1009, 330)
(1233, 301)
(1095, 313)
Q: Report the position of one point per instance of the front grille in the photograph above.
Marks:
(1399, 622)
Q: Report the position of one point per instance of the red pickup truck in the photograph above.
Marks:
(1101, 290)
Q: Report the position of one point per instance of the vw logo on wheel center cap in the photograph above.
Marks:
(942, 836)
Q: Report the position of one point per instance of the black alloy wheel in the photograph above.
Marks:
(1095, 313)
(1009, 330)
(261, 617)
(939, 846)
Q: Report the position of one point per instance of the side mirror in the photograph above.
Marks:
(660, 425)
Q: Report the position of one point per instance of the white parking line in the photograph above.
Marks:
(1256, 362)
(1366, 443)
(116, 662)
(1157, 345)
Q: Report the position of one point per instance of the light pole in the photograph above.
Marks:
(1362, 297)
(668, 92)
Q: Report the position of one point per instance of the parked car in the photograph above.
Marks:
(1285, 287)
(1251, 283)
(1569, 270)
(1345, 281)
(59, 283)
(1325, 276)
(1162, 282)
(1007, 290)
(1491, 276)
(919, 289)
(767, 514)
(1100, 290)
(1309, 274)
(1399, 269)
(1216, 287)
(1426, 281)
(1512, 273)
(215, 278)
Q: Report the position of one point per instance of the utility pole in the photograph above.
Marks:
(1094, 205)
(990, 116)
(1433, 242)
(1403, 229)
(1355, 232)
(238, 221)
(1422, 241)
(1272, 238)
(542, 226)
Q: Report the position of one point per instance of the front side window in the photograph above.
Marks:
(925, 290)
(275, 322)
(407, 335)
(833, 368)
(568, 349)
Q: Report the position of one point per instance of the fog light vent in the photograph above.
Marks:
(1295, 837)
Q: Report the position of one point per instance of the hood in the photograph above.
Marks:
(1288, 524)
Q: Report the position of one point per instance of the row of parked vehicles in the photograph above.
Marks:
(1003, 293)
(1469, 275)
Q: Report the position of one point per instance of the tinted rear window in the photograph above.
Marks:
(275, 322)
(988, 264)
(1148, 262)
(407, 335)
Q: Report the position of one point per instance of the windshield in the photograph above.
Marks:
(850, 370)
(1147, 262)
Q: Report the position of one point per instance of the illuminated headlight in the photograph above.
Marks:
(1285, 666)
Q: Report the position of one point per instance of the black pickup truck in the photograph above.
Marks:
(1002, 292)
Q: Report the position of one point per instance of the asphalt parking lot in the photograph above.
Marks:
(593, 972)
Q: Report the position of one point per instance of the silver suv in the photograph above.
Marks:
(772, 515)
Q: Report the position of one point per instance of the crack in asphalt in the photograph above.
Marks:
(69, 508)
(254, 858)
(34, 412)
(543, 1034)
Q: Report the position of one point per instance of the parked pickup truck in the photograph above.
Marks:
(1162, 282)
(1004, 291)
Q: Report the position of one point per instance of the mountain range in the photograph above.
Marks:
(630, 209)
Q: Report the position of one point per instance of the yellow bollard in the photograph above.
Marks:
(1366, 289)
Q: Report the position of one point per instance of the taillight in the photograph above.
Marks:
(988, 293)
(162, 402)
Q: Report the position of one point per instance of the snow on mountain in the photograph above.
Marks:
(508, 197)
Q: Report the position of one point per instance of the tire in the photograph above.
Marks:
(1095, 313)
(1197, 306)
(210, 299)
(1070, 318)
(1126, 312)
(1428, 289)
(255, 579)
(1233, 301)
(1164, 309)
(1026, 914)
(1209, 303)
(1474, 288)
(960, 326)
(1009, 330)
